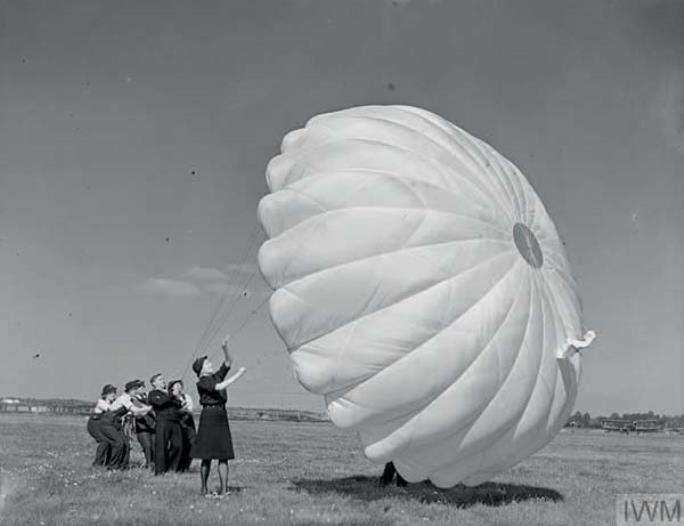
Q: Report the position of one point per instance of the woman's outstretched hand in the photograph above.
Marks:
(226, 352)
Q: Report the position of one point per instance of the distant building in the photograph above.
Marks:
(647, 426)
(634, 426)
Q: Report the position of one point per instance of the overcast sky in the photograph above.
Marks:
(134, 137)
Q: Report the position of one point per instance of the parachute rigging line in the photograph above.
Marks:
(249, 318)
(222, 300)
(224, 319)
(227, 293)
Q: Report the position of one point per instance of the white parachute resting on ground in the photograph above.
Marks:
(422, 288)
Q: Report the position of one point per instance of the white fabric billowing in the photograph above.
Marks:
(404, 299)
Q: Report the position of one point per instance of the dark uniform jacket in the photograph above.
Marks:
(165, 407)
(206, 387)
(145, 423)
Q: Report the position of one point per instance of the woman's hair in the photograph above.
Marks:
(173, 383)
(198, 364)
(108, 389)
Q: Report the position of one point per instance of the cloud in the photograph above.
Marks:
(205, 274)
(201, 280)
(171, 287)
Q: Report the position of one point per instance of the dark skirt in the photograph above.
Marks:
(213, 440)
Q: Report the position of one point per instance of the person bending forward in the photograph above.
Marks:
(102, 406)
(112, 426)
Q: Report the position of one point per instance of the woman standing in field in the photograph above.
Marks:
(103, 405)
(187, 423)
(168, 440)
(213, 441)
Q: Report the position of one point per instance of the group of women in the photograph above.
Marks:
(164, 424)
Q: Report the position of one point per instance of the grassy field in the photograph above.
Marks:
(296, 473)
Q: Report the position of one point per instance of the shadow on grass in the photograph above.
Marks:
(489, 493)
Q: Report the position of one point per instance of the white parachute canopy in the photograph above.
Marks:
(422, 288)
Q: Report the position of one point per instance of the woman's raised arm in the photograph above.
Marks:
(225, 383)
(139, 410)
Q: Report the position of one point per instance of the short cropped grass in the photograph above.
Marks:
(309, 474)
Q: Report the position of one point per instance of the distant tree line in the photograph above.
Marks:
(50, 402)
(83, 407)
(580, 419)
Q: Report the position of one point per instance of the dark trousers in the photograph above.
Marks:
(103, 448)
(125, 461)
(118, 443)
(188, 433)
(146, 440)
(168, 446)
(388, 475)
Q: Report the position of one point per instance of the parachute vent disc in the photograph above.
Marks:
(527, 245)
